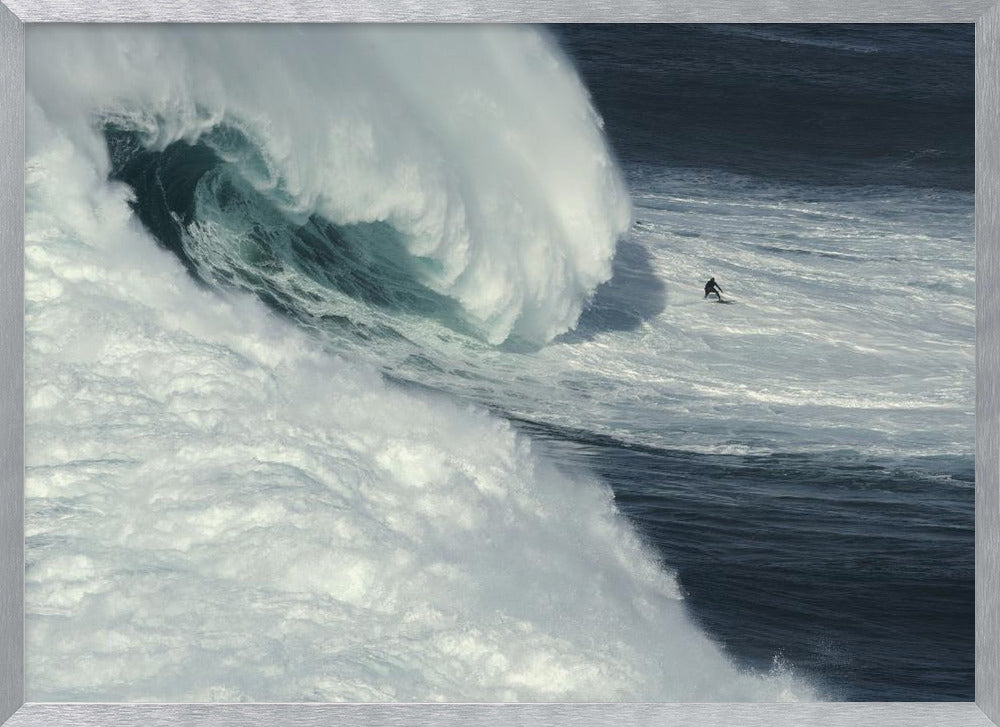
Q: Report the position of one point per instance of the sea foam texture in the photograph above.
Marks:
(218, 509)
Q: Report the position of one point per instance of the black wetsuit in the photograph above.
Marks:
(712, 287)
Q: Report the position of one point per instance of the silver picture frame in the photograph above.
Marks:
(985, 14)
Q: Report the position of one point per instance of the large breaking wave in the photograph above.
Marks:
(220, 509)
(479, 149)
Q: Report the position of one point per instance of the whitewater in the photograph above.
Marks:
(222, 503)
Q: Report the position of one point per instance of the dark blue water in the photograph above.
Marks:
(858, 573)
(826, 104)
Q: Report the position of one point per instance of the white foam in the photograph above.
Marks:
(853, 328)
(219, 510)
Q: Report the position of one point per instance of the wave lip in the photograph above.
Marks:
(478, 145)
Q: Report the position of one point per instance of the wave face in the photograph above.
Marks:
(479, 149)
(220, 509)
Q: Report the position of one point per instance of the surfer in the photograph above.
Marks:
(712, 287)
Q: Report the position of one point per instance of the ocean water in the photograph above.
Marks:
(372, 363)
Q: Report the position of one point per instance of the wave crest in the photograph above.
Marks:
(480, 148)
